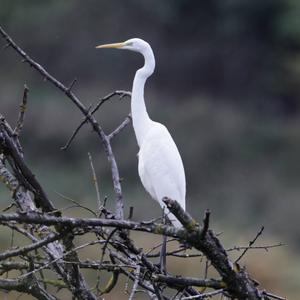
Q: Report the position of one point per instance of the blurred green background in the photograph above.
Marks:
(227, 85)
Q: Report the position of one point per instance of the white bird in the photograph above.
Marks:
(160, 165)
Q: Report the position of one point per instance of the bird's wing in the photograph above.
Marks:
(160, 166)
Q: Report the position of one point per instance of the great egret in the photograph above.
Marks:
(160, 166)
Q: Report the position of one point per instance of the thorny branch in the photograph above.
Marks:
(55, 238)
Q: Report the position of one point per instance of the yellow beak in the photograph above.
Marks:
(115, 45)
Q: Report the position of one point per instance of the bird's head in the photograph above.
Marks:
(135, 44)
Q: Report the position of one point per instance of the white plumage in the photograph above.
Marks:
(160, 166)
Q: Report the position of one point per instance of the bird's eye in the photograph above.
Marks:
(129, 43)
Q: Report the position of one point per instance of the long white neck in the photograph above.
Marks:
(140, 118)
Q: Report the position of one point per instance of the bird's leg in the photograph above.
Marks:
(162, 257)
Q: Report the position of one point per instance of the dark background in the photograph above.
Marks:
(227, 85)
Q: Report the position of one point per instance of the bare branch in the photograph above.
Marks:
(48, 220)
(263, 247)
(238, 283)
(120, 127)
(95, 181)
(23, 250)
(95, 125)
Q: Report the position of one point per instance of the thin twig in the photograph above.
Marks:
(77, 204)
(95, 181)
(204, 296)
(143, 283)
(72, 84)
(148, 253)
(264, 247)
(250, 244)
(74, 133)
(106, 243)
(23, 107)
(44, 266)
(273, 296)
